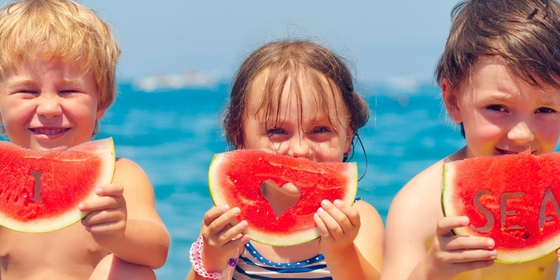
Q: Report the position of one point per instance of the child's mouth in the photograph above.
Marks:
(49, 132)
(504, 152)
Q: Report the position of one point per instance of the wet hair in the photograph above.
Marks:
(301, 62)
(524, 33)
(61, 30)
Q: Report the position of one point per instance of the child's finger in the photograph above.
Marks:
(446, 224)
(218, 224)
(214, 213)
(467, 256)
(114, 189)
(321, 227)
(331, 224)
(469, 242)
(102, 203)
(340, 218)
(232, 233)
(350, 212)
(99, 217)
(105, 228)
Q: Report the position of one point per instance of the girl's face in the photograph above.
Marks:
(48, 104)
(503, 114)
(302, 128)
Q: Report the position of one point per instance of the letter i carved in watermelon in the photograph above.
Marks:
(40, 190)
(235, 178)
(510, 198)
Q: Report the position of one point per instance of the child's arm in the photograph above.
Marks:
(351, 239)
(123, 218)
(419, 243)
(220, 241)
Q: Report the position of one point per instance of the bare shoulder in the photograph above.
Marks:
(371, 235)
(412, 220)
(366, 210)
(131, 175)
(138, 190)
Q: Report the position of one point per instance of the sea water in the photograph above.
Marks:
(174, 134)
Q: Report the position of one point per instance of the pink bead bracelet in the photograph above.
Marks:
(198, 266)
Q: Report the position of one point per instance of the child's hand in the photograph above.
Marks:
(221, 241)
(338, 225)
(453, 254)
(107, 218)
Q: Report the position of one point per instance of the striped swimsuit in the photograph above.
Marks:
(251, 265)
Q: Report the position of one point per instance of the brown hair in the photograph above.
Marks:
(525, 33)
(59, 29)
(288, 60)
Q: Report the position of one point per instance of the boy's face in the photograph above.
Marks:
(502, 113)
(48, 104)
(302, 130)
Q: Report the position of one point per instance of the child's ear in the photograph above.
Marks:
(100, 113)
(449, 94)
(348, 143)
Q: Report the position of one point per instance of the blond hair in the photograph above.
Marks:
(59, 30)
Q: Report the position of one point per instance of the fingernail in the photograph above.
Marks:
(320, 210)
(493, 254)
(236, 211)
(337, 202)
(324, 202)
(81, 206)
(98, 191)
(490, 243)
(243, 224)
(225, 207)
(464, 221)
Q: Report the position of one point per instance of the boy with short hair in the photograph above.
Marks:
(500, 80)
(57, 79)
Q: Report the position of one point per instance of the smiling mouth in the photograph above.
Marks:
(49, 131)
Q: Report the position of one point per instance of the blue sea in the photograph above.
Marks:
(174, 134)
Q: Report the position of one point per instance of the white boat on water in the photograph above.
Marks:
(189, 79)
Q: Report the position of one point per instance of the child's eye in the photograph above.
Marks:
(321, 129)
(544, 110)
(67, 91)
(498, 108)
(276, 131)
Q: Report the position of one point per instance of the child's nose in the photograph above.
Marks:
(299, 147)
(521, 133)
(49, 107)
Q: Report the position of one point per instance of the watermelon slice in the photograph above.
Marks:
(235, 179)
(511, 198)
(41, 190)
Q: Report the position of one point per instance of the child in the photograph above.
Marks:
(57, 79)
(500, 80)
(294, 98)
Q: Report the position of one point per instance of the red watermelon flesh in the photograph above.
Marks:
(41, 190)
(235, 179)
(511, 198)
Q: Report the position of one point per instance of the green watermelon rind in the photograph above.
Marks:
(503, 256)
(69, 218)
(268, 238)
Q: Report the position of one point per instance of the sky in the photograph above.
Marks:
(386, 40)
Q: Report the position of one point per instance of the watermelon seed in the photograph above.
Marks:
(526, 235)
